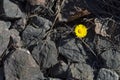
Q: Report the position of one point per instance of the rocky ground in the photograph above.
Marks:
(37, 40)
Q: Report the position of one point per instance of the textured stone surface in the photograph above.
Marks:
(106, 74)
(45, 54)
(11, 9)
(112, 59)
(4, 37)
(59, 70)
(15, 38)
(102, 44)
(20, 65)
(35, 31)
(80, 71)
(72, 50)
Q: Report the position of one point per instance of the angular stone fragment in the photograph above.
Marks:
(59, 70)
(80, 71)
(106, 74)
(11, 9)
(72, 50)
(20, 65)
(16, 39)
(4, 37)
(112, 59)
(35, 31)
(45, 53)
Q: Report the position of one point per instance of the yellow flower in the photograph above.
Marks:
(80, 30)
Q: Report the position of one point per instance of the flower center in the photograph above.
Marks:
(79, 31)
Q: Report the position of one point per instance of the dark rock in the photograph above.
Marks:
(106, 74)
(4, 37)
(112, 59)
(80, 71)
(11, 9)
(31, 35)
(37, 31)
(20, 65)
(1, 73)
(72, 50)
(40, 22)
(68, 11)
(59, 70)
(102, 44)
(45, 53)
(20, 24)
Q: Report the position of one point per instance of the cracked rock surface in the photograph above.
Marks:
(38, 42)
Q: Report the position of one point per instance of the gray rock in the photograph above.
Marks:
(20, 24)
(5, 25)
(36, 31)
(106, 74)
(102, 44)
(20, 65)
(59, 70)
(45, 54)
(16, 40)
(72, 50)
(4, 37)
(112, 59)
(40, 22)
(11, 9)
(1, 73)
(80, 71)
(31, 35)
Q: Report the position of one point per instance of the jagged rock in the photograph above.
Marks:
(20, 24)
(112, 59)
(72, 50)
(59, 70)
(5, 25)
(35, 31)
(20, 65)
(70, 13)
(107, 74)
(4, 37)
(80, 71)
(15, 38)
(11, 9)
(45, 53)
(102, 44)
(40, 22)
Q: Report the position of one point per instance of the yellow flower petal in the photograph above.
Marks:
(80, 30)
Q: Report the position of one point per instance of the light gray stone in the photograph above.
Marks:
(80, 71)
(20, 65)
(4, 37)
(106, 74)
(45, 53)
(11, 9)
